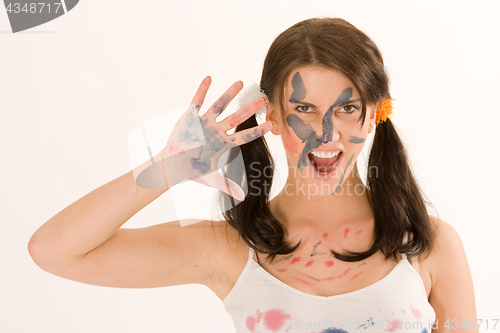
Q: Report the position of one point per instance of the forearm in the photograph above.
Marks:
(91, 220)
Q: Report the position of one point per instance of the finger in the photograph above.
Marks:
(242, 115)
(219, 106)
(226, 185)
(245, 136)
(199, 97)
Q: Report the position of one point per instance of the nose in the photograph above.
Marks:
(328, 131)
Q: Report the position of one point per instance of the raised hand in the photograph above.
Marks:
(197, 142)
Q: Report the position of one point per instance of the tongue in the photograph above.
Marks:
(324, 165)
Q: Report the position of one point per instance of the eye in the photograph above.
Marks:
(348, 109)
(304, 109)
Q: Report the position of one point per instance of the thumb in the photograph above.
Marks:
(218, 181)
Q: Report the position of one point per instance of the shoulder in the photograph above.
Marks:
(452, 292)
(446, 248)
(446, 244)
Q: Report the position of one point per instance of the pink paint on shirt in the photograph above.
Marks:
(346, 231)
(294, 260)
(394, 325)
(309, 263)
(275, 319)
(250, 323)
(252, 320)
(329, 263)
(416, 313)
(281, 270)
(325, 235)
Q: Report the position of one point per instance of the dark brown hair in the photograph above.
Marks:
(395, 198)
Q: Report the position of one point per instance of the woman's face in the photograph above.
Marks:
(320, 127)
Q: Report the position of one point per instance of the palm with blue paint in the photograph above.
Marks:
(198, 141)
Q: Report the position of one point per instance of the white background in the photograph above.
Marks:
(72, 90)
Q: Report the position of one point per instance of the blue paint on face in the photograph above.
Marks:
(299, 90)
(355, 139)
(343, 175)
(306, 133)
(344, 97)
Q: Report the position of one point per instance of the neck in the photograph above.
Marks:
(299, 209)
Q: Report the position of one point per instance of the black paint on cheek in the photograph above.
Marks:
(306, 133)
(299, 90)
(301, 129)
(355, 139)
(221, 104)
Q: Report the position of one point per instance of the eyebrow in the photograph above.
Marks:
(314, 106)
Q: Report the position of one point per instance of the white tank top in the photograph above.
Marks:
(260, 303)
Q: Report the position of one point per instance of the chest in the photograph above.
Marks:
(316, 271)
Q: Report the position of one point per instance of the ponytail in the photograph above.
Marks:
(252, 218)
(395, 197)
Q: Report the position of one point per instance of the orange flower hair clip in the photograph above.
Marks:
(384, 111)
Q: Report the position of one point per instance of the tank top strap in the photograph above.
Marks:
(405, 240)
(250, 253)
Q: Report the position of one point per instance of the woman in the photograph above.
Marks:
(327, 254)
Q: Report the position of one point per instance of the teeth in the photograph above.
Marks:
(325, 154)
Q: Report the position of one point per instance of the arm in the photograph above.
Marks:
(84, 242)
(452, 292)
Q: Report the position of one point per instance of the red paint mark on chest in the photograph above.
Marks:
(403, 311)
(253, 320)
(309, 263)
(394, 325)
(338, 276)
(294, 260)
(275, 319)
(329, 263)
(355, 276)
(358, 232)
(281, 270)
(346, 231)
(416, 313)
(304, 282)
(325, 235)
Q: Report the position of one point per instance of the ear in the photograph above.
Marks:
(272, 115)
(372, 116)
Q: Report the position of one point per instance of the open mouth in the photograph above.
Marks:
(324, 162)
